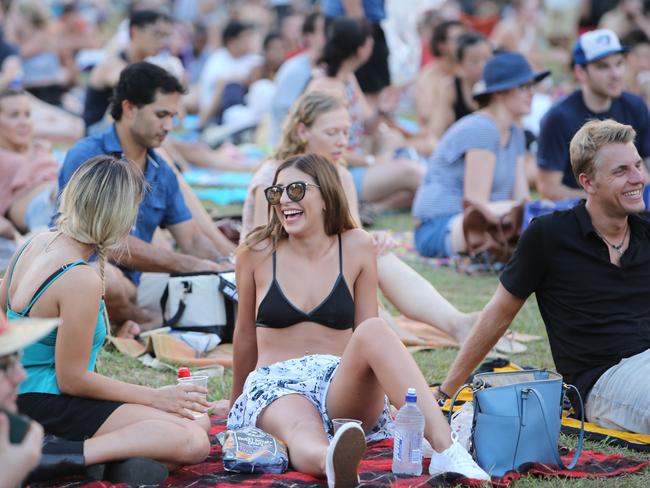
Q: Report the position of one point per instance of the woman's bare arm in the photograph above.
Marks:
(245, 336)
(521, 191)
(359, 246)
(479, 173)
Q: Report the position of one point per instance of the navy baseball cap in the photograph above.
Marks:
(594, 45)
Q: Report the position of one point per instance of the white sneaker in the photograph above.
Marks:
(343, 456)
(455, 459)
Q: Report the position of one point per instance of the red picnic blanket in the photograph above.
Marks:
(375, 470)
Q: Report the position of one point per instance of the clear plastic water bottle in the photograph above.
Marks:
(408, 432)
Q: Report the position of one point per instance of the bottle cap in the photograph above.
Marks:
(184, 372)
(411, 395)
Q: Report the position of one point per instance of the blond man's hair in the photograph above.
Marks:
(590, 138)
(100, 203)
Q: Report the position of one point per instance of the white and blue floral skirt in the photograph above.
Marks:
(308, 376)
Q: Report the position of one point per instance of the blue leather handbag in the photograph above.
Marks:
(517, 420)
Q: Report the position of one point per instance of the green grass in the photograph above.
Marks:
(466, 293)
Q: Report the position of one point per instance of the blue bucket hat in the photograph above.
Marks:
(505, 71)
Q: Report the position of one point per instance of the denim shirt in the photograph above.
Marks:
(163, 202)
(374, 10)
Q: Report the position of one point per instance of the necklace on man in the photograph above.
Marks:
(617, 247)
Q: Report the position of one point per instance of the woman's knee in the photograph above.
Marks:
(195, 445)
(372, 332)
(412, 173)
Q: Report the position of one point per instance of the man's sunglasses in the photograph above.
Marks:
(295, 191)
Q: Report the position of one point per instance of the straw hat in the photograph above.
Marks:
(17, 334)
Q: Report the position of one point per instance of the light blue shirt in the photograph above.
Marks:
(442, 190)
(290, 81)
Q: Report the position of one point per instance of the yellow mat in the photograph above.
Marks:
(571, 426)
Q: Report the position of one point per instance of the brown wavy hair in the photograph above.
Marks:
(337, 215)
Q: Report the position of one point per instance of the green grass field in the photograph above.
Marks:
(468, 294)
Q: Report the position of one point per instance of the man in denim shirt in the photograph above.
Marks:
(145, 102)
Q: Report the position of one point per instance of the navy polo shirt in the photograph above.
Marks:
(563, 120)
(595, 313)
(163, 202)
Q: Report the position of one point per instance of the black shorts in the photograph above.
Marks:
(374, 76)
(71, 418)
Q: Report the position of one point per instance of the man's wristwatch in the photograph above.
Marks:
(442, 397)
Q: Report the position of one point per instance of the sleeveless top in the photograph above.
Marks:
(38, 359)
(461, 109)
(356, 117)
(336, 311)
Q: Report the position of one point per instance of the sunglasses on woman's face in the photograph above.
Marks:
(295, 191)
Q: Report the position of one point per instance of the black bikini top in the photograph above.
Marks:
(336, 311)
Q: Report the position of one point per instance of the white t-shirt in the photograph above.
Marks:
(221, 65)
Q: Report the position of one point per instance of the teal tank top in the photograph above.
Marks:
(38, 359)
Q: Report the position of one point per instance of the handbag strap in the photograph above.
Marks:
(453, 401)
(581, 438)
(172, 322)
(558, 459)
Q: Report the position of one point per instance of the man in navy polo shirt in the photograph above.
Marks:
(599, 66)
(589, 268)
(145, 101)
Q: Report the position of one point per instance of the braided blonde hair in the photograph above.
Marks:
(305, 111)
(100, 203)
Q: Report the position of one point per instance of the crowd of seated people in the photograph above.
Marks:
(161, 86)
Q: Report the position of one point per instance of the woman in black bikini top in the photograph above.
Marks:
(297, 370)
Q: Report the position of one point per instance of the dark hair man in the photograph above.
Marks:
(599, 66)
(228, 65)
(145, 101)
(149, 33)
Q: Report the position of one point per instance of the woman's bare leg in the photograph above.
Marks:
(400, 200)
(294, 420)
(373, 363)
(140, 431)
(417, 299)
(385, 179)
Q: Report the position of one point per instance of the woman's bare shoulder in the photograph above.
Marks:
(357, 240)
(253, 256)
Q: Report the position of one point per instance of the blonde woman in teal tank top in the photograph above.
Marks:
(134, 433)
